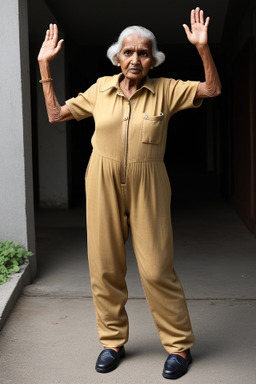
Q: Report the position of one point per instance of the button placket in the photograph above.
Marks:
(125, 135)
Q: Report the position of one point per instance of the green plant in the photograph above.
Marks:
(11, 257)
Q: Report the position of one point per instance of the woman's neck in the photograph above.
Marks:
(129, 84)
(129, 87)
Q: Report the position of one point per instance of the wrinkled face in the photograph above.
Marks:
(135, 57)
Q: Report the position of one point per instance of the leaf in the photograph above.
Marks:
(14, 269)
(11, 256)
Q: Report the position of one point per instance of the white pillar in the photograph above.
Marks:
(16, 189)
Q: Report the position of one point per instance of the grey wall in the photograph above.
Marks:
(16, 192)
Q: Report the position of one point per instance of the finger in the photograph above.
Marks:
(197, 14)
(55, 32)
(59, 45)
(201, 15)
(47, 35)
(187, 30)
(192, 17)
(207, 21)
(51, 31)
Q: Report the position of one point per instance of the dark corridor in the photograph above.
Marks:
(210, 152)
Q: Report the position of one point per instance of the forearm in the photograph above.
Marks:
(212, 85)
(56, 113)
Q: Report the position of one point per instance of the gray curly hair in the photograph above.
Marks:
(114, 50)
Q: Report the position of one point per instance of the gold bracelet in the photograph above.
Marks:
(46, 80)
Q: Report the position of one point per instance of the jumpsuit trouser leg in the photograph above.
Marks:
(107, 232)
(151, 228)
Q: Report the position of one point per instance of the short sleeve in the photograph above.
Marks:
(83, 105)
(182, 95)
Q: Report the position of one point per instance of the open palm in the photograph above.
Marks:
(198, 35)
(50, 47)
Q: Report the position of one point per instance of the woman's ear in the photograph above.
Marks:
(153, 63)
(116, 59)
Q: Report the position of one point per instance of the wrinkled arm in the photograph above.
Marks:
(56, 112)
(198, 36)
(211, 87)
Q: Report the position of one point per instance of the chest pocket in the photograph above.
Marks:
(152, 128)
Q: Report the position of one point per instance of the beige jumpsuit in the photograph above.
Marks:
(127, 187)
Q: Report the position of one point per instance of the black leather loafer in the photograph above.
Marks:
(176, 366)
(108, 360)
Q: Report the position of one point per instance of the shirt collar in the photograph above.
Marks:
(113, 82)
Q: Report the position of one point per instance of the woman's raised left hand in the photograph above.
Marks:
(198, 35)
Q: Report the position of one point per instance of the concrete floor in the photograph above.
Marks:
(51, 336)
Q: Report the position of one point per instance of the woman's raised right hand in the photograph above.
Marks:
(51, 46)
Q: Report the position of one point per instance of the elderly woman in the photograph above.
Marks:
(127, 186)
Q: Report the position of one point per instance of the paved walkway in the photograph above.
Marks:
(51, 335)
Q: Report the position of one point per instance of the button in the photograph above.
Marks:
(125, 118)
